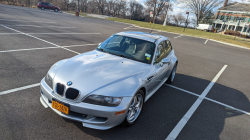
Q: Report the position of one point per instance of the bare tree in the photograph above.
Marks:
(101, 5)
(136, 9)
(157, 6)
(68, 4)
(200, 7)
(178, 19)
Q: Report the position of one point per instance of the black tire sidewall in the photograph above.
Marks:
(125, 122)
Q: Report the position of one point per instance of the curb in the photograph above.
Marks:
(71, 14)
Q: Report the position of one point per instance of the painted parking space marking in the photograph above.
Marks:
(26, 21)
(39, 39)
(44, 48)
(176, 131)
(129, 27)
(51, 33)
(38, 26)
(18, 89)
(178, 36)
(206, 41)
(217, 102)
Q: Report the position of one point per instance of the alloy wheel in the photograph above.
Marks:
(135, 108)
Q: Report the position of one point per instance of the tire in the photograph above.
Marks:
(56, 10)
(172, 75)
(134, 107)
(42, 8)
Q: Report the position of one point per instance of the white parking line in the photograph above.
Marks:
(27, 21)
(38, 26)
(206, 41)
(217, 102)
(39, 39)
(18, 89)
(129, 27)
(175, 132)
(44, 48)
(50, 33)
(178, 36)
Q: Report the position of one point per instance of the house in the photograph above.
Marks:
(226, 17)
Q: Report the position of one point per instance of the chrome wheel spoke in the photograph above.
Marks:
(131, 114)
(134, 108)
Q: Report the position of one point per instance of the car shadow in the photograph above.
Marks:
(164, 110)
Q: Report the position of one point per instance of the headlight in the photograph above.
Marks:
(48, 81)
(103, 100)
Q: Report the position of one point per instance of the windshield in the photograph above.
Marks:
(131, 48)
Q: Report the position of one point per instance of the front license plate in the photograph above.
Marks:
(60, 106)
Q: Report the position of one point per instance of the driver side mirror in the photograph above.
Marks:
(166, 61)
(99, 43)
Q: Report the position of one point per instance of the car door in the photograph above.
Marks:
(45, 5)
(162, 69)
(51, 7)
(154, 79)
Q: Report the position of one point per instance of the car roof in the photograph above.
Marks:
(141, 35)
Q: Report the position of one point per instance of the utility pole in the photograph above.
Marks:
(78, 6)
(165, 21)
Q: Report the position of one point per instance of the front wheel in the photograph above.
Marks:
(134, 109)
(172, 75)
(56, 10)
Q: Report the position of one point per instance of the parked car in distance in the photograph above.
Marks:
(109, 85)
(44, 5)
(204, 27)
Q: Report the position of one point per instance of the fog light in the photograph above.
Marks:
(117, 113)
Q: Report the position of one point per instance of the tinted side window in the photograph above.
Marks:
(161, 52)
(168, 47)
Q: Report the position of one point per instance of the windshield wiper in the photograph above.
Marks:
(121, 55)
(101, 49)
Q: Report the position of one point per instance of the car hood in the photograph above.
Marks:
(94, 70)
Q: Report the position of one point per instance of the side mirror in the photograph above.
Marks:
(99, 43)
(166, 61)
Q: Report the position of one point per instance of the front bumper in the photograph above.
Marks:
(92, 116)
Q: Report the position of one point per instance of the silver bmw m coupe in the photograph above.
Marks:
(109, 85)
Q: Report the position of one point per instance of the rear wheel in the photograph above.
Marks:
(134, 109)
(42, 8)
(172, 75)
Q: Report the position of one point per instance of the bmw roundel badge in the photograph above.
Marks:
(69, 83)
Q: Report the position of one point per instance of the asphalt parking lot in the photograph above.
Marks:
(209, 98)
